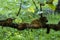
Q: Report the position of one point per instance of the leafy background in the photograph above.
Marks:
(9, 8)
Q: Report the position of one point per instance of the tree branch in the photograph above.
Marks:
(36, 24)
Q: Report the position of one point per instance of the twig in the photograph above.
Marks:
(40, 7)
(19, 8)
(35, 4)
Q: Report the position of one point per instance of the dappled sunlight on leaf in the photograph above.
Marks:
(31, 9)
(18, 20)
(52, 6)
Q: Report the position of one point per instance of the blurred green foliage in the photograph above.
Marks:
(9, 8)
